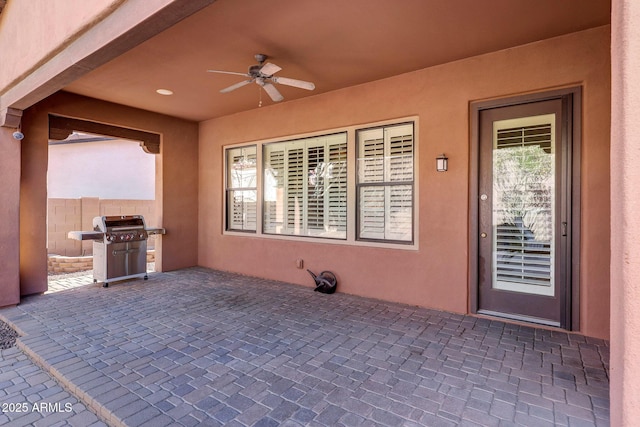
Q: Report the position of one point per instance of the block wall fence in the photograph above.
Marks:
(64, 215)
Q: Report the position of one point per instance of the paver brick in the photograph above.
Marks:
(527, 420)
(141, 417)
(330, 415)
(253, 414)
(214, 348)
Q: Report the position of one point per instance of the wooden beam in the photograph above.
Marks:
(61, 127)
(10, 117)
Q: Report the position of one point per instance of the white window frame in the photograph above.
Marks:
(245, 185)
(382, 171)
(351, 238)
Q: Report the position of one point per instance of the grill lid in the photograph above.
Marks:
(117, 228)
(118, 223)
(123, 222)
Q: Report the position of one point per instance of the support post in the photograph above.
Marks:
(625, 213)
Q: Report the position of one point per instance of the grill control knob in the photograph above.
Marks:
(112, 238)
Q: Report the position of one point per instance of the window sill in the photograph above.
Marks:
(319, 240)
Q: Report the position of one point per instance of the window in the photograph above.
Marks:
(241, 188)
(385, 183)
(305, 187)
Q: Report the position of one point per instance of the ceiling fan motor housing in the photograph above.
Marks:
(254, 70)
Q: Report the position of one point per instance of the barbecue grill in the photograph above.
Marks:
(119, 247)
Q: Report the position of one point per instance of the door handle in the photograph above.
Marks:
(483, 235)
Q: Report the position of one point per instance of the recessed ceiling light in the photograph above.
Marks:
(164, 92)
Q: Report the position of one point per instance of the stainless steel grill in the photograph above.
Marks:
(119, 247)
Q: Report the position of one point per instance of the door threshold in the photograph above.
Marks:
(520, 318)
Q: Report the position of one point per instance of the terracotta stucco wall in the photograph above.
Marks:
(625, 213)
(176, 182)
(65, 21)
(435, 275)
(9, 212)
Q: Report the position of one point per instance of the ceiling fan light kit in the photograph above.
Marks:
(263, 75)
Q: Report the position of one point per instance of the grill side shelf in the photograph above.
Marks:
(85, 235)
(153, 231)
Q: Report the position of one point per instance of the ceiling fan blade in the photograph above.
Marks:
(228, 72)
(272, 92)
(293, 82)
(236, 86)
(269, 69)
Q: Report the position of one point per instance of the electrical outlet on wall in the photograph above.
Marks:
(299, 263)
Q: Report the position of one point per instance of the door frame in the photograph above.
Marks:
(571, 133)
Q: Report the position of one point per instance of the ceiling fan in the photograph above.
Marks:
(263, 75)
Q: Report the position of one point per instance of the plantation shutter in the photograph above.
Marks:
(524, 205)
(236, 215)
(306, 187)
(385, 183)
(399, 218)
(315, 187)
(250, 196)
(371, 170)
(295, 181)
(336, 182)
(273, 189)
(241, 189)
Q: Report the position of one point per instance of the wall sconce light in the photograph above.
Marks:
(442, 163)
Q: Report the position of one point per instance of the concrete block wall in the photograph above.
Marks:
(128, 207)
(66, 215)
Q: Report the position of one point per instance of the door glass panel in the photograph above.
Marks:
(524, 193)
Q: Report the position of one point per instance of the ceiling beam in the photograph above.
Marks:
(61, 127)
(10, 117)
(131, 24)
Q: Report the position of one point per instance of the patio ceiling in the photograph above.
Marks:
(333, 43)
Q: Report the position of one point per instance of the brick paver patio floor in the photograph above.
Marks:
(201, 347)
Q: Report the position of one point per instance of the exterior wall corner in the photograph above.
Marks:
(9, 218)
(625, 205)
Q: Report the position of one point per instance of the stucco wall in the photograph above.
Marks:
(114, 169)
(176, 182)
(435, 275)
(65, 21)
(9, 212)
(625, 206)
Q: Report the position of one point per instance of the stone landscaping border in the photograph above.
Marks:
(58, 264)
